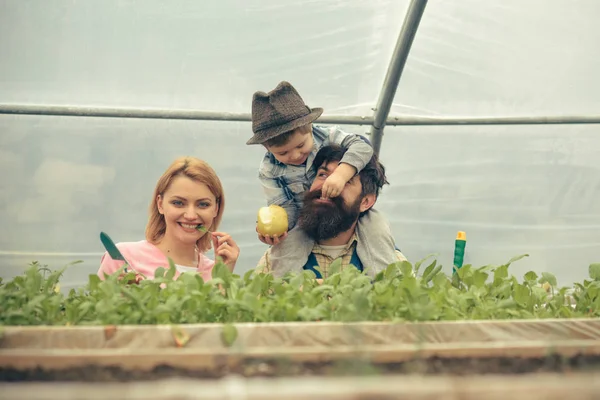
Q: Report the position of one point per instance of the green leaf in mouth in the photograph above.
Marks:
(201, 228)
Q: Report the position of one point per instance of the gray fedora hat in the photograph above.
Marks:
(279, 111)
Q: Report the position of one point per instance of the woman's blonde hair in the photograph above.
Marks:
(198, 171)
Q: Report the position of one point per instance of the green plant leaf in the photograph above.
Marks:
(432, 274)
(335, 267)
(390, 271)
(501, 273)
(396, 294)
(548, 277)
(229, 334)
(521, 294)
(406, 268)
(420, 262)
(221, 271)
(428, 271)
(531, 276)
(516, 258)
(93, 282)
(160, 272)
(180, 336)
(594, 271)
(170, 274)
(479, 278)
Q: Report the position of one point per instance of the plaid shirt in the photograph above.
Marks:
(323, 259)
(284, 185)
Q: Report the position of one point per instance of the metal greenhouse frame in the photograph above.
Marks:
(377, 121)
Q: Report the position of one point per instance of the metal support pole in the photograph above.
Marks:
(390, 84)
(120, 112)
(196, 115)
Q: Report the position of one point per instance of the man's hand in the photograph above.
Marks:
(271, 240)
(334, 184)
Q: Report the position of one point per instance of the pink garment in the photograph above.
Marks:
(146, 258)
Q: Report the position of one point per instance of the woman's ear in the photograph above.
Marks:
(216, 208)
(159, 204)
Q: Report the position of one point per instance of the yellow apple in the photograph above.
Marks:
(272, 221)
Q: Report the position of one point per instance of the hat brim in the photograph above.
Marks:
(269, 133)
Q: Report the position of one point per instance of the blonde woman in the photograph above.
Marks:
(185, 212)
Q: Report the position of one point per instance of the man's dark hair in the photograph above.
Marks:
(372, 176)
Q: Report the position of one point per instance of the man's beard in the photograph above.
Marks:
(322, 221)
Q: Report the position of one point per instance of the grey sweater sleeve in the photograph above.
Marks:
(359, 150)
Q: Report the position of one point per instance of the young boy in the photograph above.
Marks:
(282, 123)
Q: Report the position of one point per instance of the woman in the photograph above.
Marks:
(185, 212)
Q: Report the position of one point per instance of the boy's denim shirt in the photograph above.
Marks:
(285, 185)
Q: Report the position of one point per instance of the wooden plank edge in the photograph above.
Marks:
(147, 359)
(583, 386)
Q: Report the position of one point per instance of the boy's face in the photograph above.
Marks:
(296, 150)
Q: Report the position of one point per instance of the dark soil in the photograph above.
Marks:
(281, 368)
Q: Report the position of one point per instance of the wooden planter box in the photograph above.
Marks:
(389, 359)
(515, 387)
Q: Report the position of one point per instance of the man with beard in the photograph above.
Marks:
(331, 224)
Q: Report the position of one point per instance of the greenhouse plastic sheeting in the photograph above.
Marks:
(513, 189)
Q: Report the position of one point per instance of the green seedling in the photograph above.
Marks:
(402, 292)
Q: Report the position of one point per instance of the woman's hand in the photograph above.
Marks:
(226, 248)
(136, 280)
